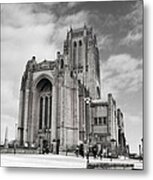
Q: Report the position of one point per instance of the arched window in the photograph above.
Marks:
(80, 63)
(44, 89)
(46, 111)
(62, 63)
(50, 113)
(80, 43)
(40, 113)
(71, 74)
(74, 53)
(75, 44)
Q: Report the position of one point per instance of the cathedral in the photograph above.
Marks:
(60, 100)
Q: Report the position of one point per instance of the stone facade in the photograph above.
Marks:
(108, 125)
(59, 99)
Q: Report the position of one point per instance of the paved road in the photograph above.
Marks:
(55, 161)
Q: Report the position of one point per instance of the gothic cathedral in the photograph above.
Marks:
(60, 100)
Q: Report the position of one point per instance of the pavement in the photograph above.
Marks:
(42, 160)
(57, 161)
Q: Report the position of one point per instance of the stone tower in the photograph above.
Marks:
(81, 52)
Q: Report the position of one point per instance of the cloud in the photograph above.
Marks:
(136, 14)
(103, 22)
(134, 36)
(21, 15)
(105, 42)
(119, 29)
(72, 4)
(59, 8)
(132, 24)
(64, 23)
(74, 19)
(122, 73)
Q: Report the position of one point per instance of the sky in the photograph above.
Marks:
(40, 28)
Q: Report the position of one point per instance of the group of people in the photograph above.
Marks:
(90, 150)
(45, 148)
(83, 150)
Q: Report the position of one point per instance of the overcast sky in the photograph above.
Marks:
(40, 28)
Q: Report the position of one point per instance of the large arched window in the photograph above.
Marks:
(44, 89)
(44, 86)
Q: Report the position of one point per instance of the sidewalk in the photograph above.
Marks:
(59, 161)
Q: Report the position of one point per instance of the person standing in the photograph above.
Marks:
(77, 150)
(94, 150)
(14, 146)
(81, 150)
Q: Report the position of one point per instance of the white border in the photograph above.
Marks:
(39, 174)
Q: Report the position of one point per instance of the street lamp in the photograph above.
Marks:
(87, 101)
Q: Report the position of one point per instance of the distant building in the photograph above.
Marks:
(121, 134)
(108, 125)
(60, 100)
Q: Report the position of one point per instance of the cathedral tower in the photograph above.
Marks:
(80, 48)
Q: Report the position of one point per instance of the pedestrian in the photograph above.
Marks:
(77, 151)
(14, 147)
(100, 154)
(81, 150)
(98, 149)
(104, 153)
(94, 150)
(54, 146)
(86, 149)
(67, 150)
(47, 149)
(57, 146)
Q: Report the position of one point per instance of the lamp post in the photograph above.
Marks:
(87, 101)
